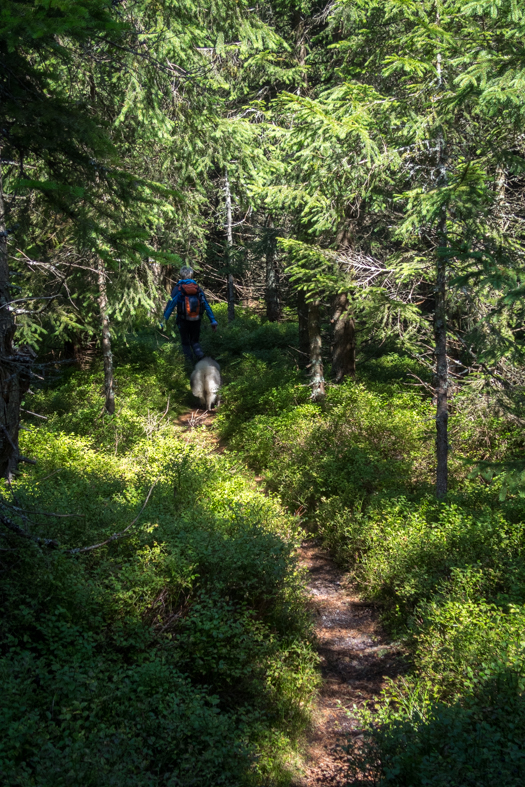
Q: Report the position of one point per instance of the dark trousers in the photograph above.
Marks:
(190, 332)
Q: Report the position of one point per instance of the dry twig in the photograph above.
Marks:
(115, 536)
(51, 542)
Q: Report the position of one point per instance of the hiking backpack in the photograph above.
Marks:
(190, 307)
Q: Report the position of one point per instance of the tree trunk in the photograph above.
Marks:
(343, 352)
(14, 366)
(304, 341)
(231, 298)
(501, 208)
(273, 306)
(109, 389)
(316, 360)
(300, 30)
(441, 382)
(229, 243)
(440, 324)
(155, 274)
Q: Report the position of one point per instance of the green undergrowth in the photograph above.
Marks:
(176, 654)
(448, 577)
(150, 385)
(181, 653)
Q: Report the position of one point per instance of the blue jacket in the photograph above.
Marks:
(177, 296)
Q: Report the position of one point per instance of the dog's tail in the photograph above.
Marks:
(209, 394)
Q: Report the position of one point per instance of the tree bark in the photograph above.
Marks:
(231, 298)
(14, 366)
(109, 386)
(440, 323)
(273, 305)
(229, 243)
(304, 341)
(343, 352)
(316, 360)
(156, 272)
(441, 383)
(299, 25)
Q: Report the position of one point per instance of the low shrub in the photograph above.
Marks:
(178, 654)
(475, 742)
(449, 576)
(406, 551)
(200, 609)
(356, 443)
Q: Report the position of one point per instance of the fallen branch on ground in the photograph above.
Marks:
(194, 420)
(51, 542)
(115, 536)
(47, 542)
(37, 415)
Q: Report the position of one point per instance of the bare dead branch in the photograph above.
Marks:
(51, 542)
(49, 513)
(50, 474)
(30, 412)
(115, 536)
(29, 298)
(48, 542)
(421, 383)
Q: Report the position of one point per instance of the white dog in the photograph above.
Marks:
(205, 382)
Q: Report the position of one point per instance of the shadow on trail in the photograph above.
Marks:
(356, 657)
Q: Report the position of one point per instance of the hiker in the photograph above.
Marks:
(190, 302)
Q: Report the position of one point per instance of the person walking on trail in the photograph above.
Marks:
(190, 302)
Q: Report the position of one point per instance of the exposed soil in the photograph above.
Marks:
(202, 420)
(356, 657)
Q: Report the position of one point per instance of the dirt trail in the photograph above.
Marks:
(356, 656)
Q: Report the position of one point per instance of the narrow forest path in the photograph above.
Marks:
(355, 652)
(356, 657)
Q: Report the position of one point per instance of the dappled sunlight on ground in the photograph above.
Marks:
(356, 656)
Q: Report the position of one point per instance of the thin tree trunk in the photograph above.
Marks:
(229, 242)
(304, 341)
(316, 360)
(343, 352)
(440, 324)
(231, 298)
(156, 272)
(109, 388)
(300, 31)
(273, 306)
(14, 377)
(500, 184)
(501, 210)
(441, 384)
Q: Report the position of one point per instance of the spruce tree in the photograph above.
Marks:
(42, 128)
